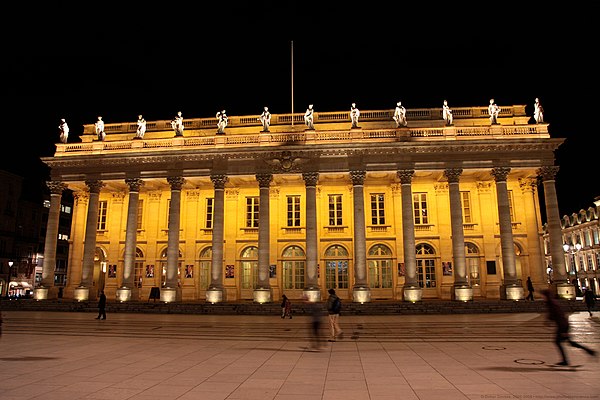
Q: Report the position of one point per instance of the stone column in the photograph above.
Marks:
(89, 250)
(564, 288)
(412, 291)
(512, 291)
(536, 262)
(262, 293)
(462, 290)
(47, 290)
(216, 291)
(360, 291)
(128, 290)
(312, 290)
(171, 292)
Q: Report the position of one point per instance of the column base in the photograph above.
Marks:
(361, 294)
(45, 293)
(169, 295)
(312, 294)
(566, 291)
(82, 293)
(413, 293)
(512, 292)
(463, 293)
(262, 295)
(125, 294)
(215, 294)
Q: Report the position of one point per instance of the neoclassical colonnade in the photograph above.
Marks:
(262, 292)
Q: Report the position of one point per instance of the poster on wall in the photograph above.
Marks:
(272, 271)
(229, 271)
(189, 271)
(112, 271)
(149, 271)
(447, 268)
(401, 269)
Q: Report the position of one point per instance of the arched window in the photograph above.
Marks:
(249, 267)
(336, 267)
(294, 263)
(426, 266)
(205, 265)
(138, 267)
(472, 258)
(379, 260)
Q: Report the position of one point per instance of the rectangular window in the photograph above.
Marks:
(102, 211)
(465, 199)
(335, 210)
(510, 206)
(420, 208)
(209, 212)
(252, 209)
(293, 210)
(140, 214)
(377, 209)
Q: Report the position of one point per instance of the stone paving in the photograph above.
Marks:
(70, 355)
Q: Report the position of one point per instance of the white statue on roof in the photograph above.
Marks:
(64, 130)
(309, 117)
(265, 119)
(400, 115)
(538, 111)
(447, 113)
(177, 124)
(100, 128)
(354, 114)
(141, 127)
(493, 110)
(222, 122)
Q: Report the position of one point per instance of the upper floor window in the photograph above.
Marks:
(293, 210)
(209, 212)
(335, 209)
(140, 213)
(252, 209)
(102, 212)
(378, 209)
(465, 199)
(420, 208)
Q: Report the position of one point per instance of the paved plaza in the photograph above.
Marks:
(67, 356)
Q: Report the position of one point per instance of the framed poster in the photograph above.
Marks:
(112, 271)
(401, 269)
(272, 271)
(189, 271)
(149, 271)
(230, 271)
(447, 268)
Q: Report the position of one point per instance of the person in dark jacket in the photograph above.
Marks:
(589, 298)
(333, 311)
(558, 316)
(102, 306)
(529, 289)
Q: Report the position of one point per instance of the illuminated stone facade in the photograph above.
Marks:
(426, 211)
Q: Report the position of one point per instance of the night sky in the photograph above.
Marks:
(102, 58)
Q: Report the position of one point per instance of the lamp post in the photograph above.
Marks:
(572, 251)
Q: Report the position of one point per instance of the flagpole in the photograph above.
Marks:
(292, 48)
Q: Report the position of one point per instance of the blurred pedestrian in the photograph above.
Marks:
(334, 307)
(286, 307)
(589, 298)
(102, 306)
(315, 311)
(558, 316)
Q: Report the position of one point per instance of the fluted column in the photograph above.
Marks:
(89, 249)
(534, 244)
(412, 291)
(564, 288)
(216, 292)
(125, 292)
(506, 235)
(262, 293)
(360, 292)
(47, 290)
(311, 290)
(171, 290)
(462, 292)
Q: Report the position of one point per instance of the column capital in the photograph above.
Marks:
(453, 174)
(405, 175)
(56, 187)
(264, 180)
(176, 182)
(548, 173)
(134, 184)
(94, 186)
(528, 184)
(219, 181)
(500, 173)
(358, 177)
(310, 178)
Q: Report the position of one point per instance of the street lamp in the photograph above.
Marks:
(572, 251)
(10, 264)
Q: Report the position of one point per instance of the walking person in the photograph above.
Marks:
(529, 289)
(589, 298)
(102, 306)
(558, 316)
(286, 307)
(334, 306)
(315, 311)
